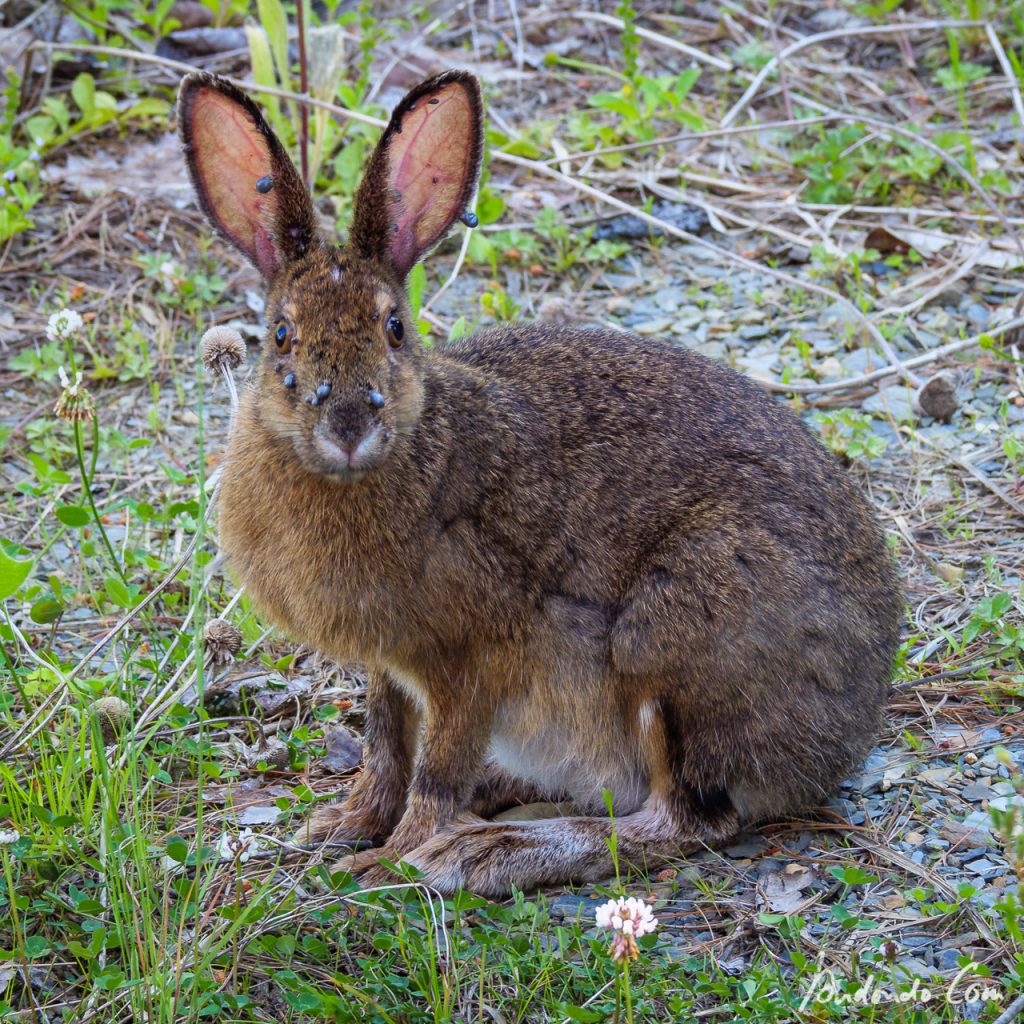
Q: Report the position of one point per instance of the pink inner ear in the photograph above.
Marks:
(429, 162)
(230, 156)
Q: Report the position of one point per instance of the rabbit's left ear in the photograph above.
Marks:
(423, 173)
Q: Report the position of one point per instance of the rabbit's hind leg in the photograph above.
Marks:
(491, 858)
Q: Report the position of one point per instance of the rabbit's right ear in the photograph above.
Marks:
(245, 183)
(423, 173)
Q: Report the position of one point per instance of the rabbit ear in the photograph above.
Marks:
(423, 173)
(246, 185)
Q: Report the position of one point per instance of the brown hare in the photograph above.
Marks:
(573, 560)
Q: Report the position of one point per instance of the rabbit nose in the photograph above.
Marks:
(348, 424)
(348, 453)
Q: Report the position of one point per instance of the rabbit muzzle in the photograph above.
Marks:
(347, 443)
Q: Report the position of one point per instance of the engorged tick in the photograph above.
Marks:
(289, 381)
(470, 219)
(264, 185)
(376, 399)
(323, 391)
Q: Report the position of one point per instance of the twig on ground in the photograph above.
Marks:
(823, 37)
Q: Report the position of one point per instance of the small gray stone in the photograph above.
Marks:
(896, 401)
(947, 959)
(976, 791)
(1004, 803)
(652, 327)
(966, 856)
(668, 299)
(978, 821)
(977, 314)
(984, 867)
(859, 361)
(914, 968)
(747, 846)
(574, 908)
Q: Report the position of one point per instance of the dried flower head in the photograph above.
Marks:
(75, 402)
(223, 350)
(112, 714)
(63, 325)
(629, 919)
(223, 640)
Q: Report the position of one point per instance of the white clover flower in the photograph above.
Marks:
(169, 272)
(63, 325)
(9, 836)
(629, 919)
(236, 847)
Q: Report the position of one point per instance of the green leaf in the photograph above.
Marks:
(73, 515)
(46, 610)
(684, 82)
(177, 849)
(83, 89)
(489, 207)
(615, 102)
(12, 574)
(580, 1013)
(117, 592)
(416, 285)
(109, 978)
(151, 106)
(40, 129)
(263, 66)
(275, 24)
(850, 874)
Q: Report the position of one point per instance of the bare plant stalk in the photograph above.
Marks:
(300, 14)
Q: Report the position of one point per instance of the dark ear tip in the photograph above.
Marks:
(197, 80)
(466, 79)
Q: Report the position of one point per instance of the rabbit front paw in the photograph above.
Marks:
(341, 823)
(364, 865)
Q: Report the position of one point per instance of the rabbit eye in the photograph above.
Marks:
(284, 338)
(395, 331)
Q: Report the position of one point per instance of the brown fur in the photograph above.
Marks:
(603, 562)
